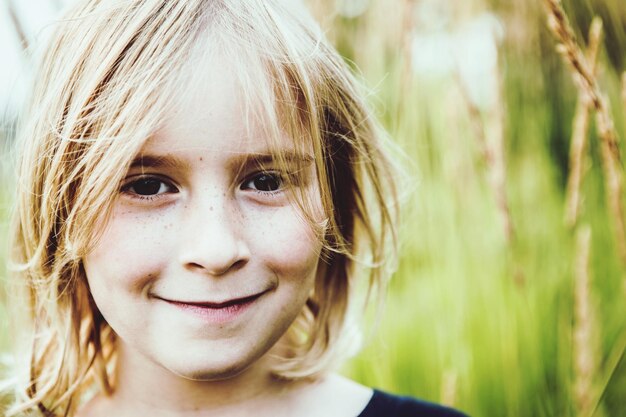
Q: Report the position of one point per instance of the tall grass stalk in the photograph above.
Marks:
(17, 25)
(624, 93)
(588, 84)
(448, 388)
(584, 341)
(491, 144)
(498, 172)
(406, 38)
(580, 130)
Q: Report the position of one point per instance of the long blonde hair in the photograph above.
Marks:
(104, 86)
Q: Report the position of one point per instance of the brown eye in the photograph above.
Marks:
(266, 182)
(149, 187)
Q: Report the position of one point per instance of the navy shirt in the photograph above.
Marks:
(389, 405)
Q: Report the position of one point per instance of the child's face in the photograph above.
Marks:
(205, 261)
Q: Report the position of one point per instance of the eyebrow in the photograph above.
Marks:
(239, 159)
(264, 158)
(162, 161)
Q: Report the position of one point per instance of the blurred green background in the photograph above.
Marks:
(476, 318)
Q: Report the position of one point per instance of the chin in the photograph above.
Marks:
(206, 371)
(213, 374)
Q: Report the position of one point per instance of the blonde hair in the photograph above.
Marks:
(103, 88)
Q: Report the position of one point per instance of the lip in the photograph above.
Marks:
(216, 312)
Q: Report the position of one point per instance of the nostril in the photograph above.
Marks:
(239, 264)
(193, 265)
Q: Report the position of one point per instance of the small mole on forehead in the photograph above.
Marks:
(200, 158)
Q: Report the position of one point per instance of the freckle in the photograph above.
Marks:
(201, 158)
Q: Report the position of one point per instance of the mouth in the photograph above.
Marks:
(216, 305)
(216, 312)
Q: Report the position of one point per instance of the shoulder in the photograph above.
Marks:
(383, 404)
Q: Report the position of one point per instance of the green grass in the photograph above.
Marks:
(455, 306)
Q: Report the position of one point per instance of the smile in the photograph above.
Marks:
(216, 312)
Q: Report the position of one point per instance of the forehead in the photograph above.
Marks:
(230, 96)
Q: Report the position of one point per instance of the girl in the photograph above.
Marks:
(201, 190)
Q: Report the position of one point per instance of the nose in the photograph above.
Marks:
(213, 243)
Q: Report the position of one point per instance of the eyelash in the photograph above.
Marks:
(273, 175)
(148, 197)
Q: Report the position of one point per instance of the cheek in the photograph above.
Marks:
(129, 251)
(287, 244)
